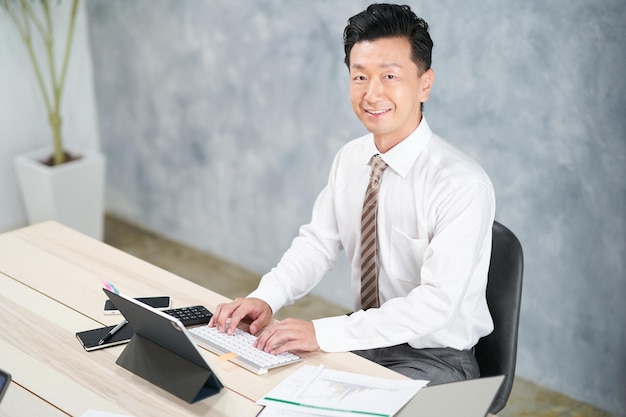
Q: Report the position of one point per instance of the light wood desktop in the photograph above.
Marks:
(50, 288)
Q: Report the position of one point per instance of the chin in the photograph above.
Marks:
(370, 125)
(372, 128)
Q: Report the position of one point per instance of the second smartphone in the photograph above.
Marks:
(163, 302)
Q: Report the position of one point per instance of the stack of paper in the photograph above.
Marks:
(315, 391)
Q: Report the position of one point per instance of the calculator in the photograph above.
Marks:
(191, 316)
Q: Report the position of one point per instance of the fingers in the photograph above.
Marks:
(223, 313)
(260, 323)
(288, 335)
(228, 316)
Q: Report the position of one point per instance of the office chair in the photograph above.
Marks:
(496, 353)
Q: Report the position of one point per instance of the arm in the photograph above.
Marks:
(305, 263)
(311, 255)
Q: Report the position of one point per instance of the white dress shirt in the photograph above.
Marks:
(435, 213)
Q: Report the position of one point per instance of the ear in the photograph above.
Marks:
(427, 79)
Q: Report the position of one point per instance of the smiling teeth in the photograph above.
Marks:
(376, 111)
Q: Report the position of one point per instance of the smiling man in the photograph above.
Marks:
(388, 88)
(412, 213)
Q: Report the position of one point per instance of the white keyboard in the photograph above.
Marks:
(240, 344)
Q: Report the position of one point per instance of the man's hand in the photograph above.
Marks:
(230, 314)
(288, 335)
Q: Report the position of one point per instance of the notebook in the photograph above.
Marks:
(162, 351)
(90, 338)
(470, 398)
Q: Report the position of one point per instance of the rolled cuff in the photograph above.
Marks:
(330, 334)
(272, 298)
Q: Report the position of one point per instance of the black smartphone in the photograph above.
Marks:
(163, 302)
(5, 380)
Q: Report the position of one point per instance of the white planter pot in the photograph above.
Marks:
(71, 193)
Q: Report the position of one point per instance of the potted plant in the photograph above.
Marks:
(57, 183)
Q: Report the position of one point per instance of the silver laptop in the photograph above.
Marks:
(470, 398)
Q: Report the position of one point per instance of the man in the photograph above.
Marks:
(419, 278)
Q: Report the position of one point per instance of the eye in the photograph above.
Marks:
(390, 77)
(359, 78)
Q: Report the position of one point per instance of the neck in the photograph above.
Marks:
(385, 142)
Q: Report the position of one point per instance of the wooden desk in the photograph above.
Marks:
(50, 288)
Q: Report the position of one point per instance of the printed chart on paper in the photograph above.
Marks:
(335, 393)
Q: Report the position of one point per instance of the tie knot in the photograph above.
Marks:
(378, 166)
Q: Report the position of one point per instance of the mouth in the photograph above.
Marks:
(377, 113)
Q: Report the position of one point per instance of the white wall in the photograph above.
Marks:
(23, 118)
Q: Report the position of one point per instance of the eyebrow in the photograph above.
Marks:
(385, 65)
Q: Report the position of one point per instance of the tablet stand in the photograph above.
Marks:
(167, 370)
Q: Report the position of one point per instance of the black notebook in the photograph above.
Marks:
(90, 338)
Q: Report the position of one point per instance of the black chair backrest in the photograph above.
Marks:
(496, 353)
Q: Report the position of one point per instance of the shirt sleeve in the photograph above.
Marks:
(454, 265)
(311, 255)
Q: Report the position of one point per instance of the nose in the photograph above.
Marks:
(374, 91)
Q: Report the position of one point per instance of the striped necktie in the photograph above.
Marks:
(369, 279)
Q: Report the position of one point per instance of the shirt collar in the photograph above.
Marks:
(401, 157)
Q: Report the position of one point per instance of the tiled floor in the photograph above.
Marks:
(526, 400)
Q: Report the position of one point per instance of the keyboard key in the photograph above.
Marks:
(240, 343)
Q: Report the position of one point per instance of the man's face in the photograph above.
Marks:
(387, 88)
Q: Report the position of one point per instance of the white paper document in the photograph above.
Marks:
(316, 391)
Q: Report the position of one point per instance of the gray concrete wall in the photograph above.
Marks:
(220, 120)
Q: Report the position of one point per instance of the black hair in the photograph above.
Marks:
(390, 21)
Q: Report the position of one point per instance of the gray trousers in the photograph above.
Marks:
(437, 365)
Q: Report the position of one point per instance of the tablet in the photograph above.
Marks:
(161, 351)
